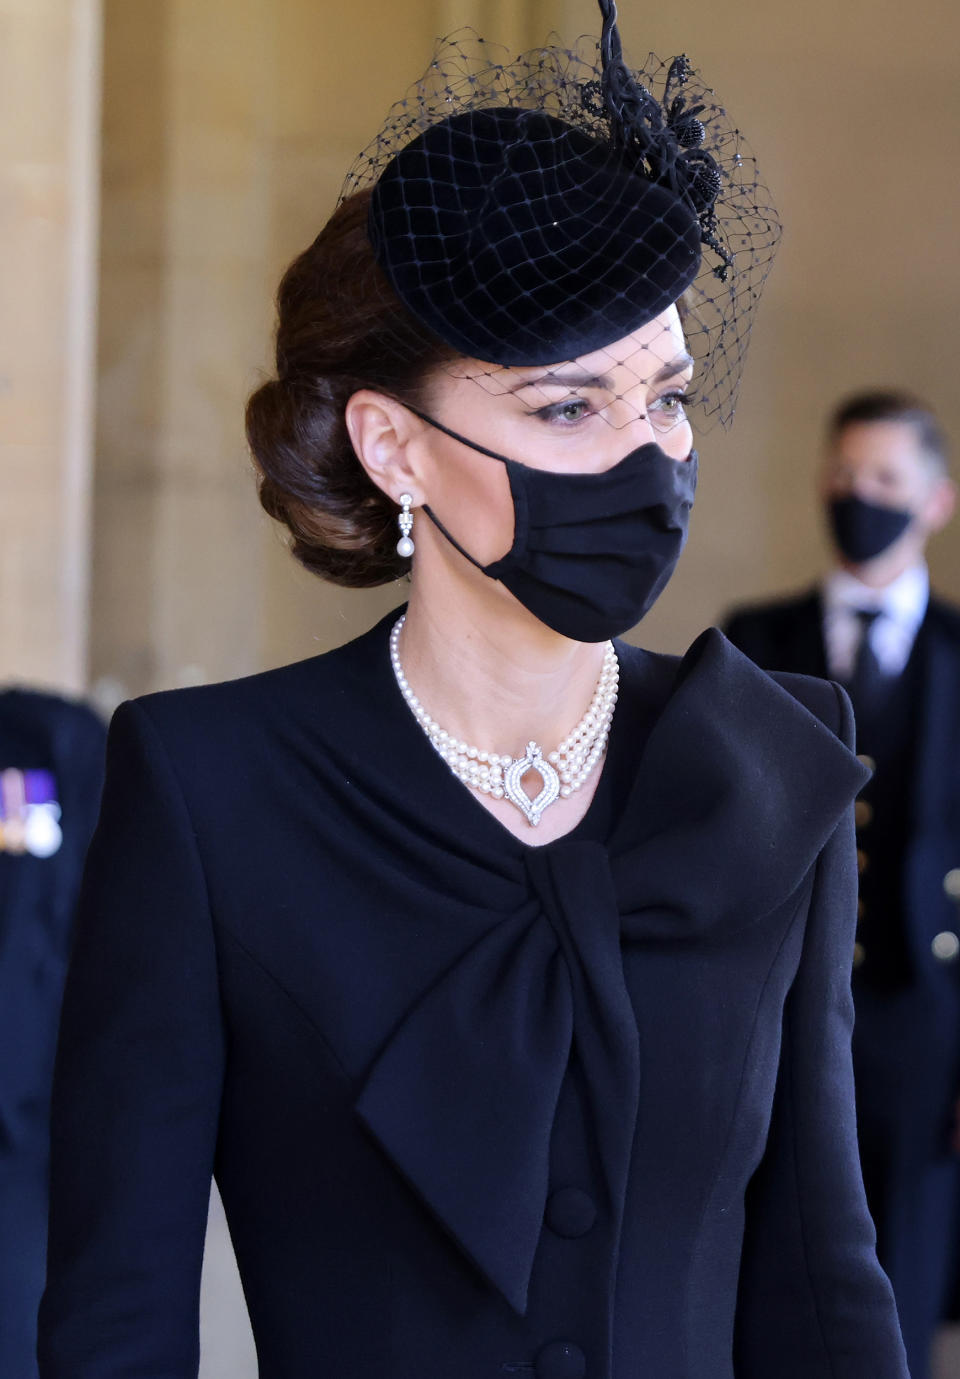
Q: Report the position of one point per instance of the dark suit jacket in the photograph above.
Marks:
(475, 1108)
(787, 636)
(38, 896)
(907, 1040)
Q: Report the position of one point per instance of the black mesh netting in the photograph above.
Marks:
(551, 208)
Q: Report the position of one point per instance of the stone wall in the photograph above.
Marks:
(227, 127)
(49, 151)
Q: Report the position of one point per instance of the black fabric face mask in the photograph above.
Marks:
(591, 552)
(865, 530)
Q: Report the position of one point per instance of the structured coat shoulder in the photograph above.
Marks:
(475, 1108)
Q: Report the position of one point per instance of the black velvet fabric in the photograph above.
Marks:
(38, 897)
(475, 1108)
(518, 239)
(907, 1037)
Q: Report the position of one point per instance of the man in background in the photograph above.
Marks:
(51, 768)
(873, 625)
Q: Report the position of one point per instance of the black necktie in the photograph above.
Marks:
(866, 682)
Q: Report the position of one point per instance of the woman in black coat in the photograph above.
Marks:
(508, 1061)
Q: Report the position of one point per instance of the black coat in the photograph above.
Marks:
(907, 1040)
(475, 1109)
(38, 894)
(787, 635)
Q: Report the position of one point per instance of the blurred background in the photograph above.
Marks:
(162, 160)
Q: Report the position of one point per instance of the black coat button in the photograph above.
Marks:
(561, 1360)
(571, 1212)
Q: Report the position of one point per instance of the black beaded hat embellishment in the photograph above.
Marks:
(531, 210)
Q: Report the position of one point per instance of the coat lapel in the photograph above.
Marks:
(737, 790)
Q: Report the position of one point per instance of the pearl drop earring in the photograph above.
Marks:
(405, 546)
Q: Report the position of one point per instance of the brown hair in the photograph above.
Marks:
(340, 328)
(891, 404)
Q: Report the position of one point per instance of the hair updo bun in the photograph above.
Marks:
(338, 330)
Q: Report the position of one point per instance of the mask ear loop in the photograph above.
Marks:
(455, 435)
(452, 539)
(471, 445)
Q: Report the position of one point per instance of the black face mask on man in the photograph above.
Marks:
(865, 530)
(591, 553)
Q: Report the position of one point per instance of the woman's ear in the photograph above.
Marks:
(380, 431)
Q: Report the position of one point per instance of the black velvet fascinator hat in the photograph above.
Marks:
(529, 211)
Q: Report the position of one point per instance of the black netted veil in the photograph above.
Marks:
(537, 209)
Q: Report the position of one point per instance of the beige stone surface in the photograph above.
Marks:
(227, 127)
(49, 150)
(227, 130)
(226, 1343)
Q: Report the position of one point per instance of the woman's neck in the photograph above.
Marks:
(492, 675)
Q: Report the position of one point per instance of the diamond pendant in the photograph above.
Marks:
(514, 791)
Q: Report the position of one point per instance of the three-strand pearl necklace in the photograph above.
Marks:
(563, 772)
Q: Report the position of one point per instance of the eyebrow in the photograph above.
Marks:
(573, 379)
(565, 380)
(679, 365)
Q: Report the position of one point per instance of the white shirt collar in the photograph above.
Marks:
(904, 601)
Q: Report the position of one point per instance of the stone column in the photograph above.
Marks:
(184, 322)
(49, 154)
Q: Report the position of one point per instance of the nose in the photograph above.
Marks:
(636, 425)
(868, 489)
(643, 429)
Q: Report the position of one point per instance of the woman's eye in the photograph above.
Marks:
(565, 413)
(672, 406)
